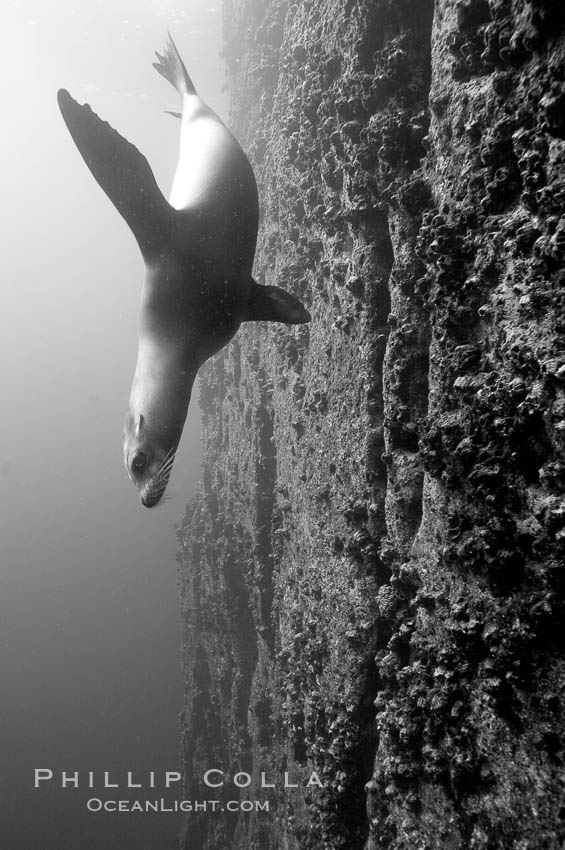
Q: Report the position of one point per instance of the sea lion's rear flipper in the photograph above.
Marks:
(123, 173)
(171, 67)
(271, 304)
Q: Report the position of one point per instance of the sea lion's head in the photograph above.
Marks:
(148, 459)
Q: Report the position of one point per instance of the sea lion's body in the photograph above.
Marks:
(198, 251)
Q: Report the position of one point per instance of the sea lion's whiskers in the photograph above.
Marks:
(168, 460)
(165, 468)
(168, 457)
(169, 453)
(166, 497)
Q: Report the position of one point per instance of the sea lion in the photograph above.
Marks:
(198, 251)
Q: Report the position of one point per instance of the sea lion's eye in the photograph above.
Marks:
(139, 461)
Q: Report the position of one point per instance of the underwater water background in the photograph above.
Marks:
(89, 629)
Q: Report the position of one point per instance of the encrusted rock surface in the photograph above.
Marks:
(372, 578)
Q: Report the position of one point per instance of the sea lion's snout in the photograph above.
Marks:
(149, 501)
(148, 459)
(152, 481)
(152, 492)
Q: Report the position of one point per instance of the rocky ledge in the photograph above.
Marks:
(372, 577)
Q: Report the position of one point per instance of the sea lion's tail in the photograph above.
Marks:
(171, 67)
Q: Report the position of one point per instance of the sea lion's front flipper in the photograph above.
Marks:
(122, 172)
(271, 304)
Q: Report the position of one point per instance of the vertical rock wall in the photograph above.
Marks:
(371, 580)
